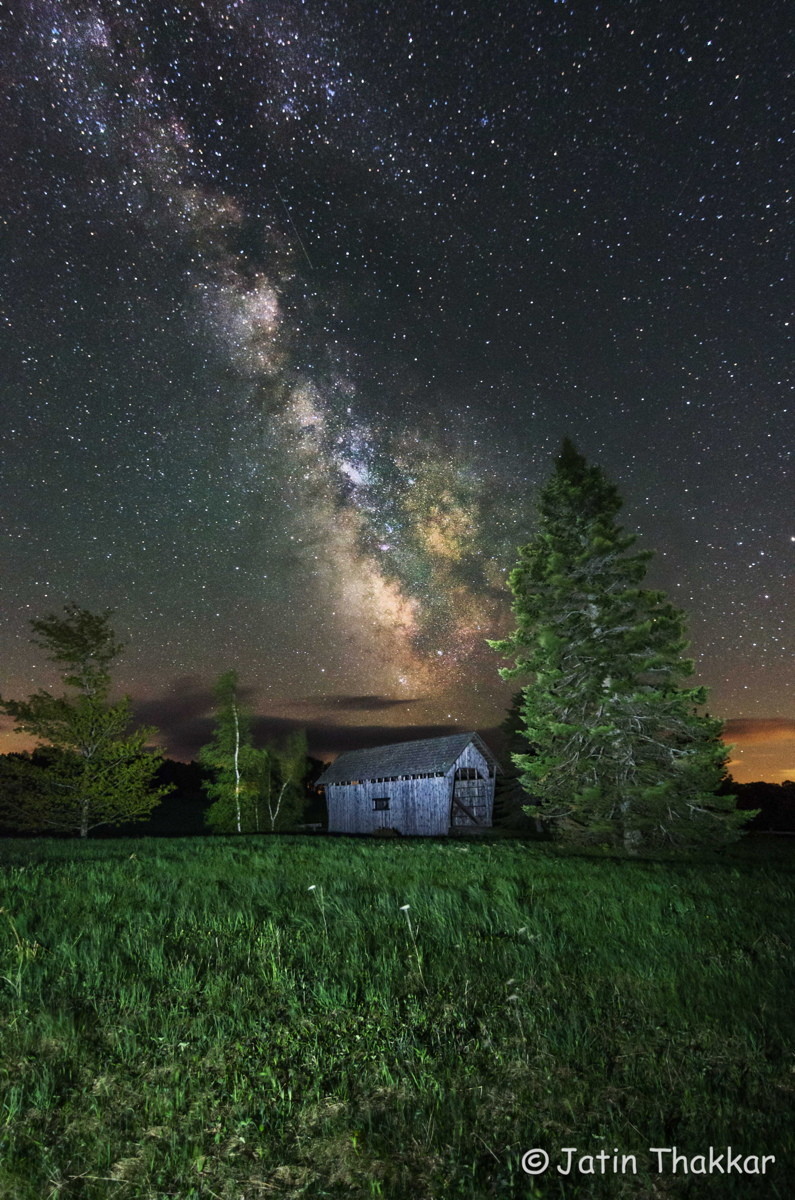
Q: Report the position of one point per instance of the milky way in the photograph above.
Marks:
(299, 300)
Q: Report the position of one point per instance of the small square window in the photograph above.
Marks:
(380, 803)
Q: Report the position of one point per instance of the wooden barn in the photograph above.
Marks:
(428, 787)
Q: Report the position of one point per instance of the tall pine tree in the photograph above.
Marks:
(618, 752)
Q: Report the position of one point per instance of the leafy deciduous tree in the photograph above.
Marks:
(97, 771)
(619, 751)
(236, 766)
(285, 795)
(253, 789)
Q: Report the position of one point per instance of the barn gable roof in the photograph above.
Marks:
(423, 757)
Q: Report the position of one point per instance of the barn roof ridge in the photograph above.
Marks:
(420, 756)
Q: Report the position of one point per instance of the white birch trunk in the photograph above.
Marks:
(274, 812)
(237, 765)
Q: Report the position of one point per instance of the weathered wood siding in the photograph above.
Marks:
(419, 807)
(471, 757)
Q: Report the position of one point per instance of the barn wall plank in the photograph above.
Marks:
(419, 807)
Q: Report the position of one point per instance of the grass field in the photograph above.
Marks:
(262, 1018)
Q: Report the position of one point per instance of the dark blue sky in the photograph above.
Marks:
(299, 300)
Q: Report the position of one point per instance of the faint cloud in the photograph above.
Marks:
(354, 703)
(184, 715)
(749, 730)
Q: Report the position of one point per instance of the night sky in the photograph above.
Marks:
(300, 298)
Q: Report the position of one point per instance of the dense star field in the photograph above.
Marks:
(299, 300)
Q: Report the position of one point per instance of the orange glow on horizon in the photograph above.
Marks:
(763, 749)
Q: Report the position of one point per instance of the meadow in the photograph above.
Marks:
(264, 1017)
